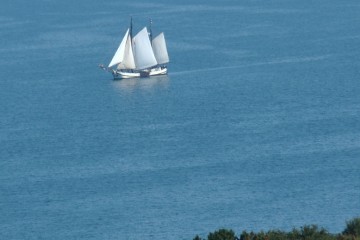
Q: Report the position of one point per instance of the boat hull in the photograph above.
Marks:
(140, 74)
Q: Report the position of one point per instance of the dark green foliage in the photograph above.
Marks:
(346, 237)
(353, 227)
(307, 232)
(222, 234)
(276, 234)
(197, 237)
(311, 232)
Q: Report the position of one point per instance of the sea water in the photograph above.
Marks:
(256, 126)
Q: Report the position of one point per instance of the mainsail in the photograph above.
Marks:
(160, 50)
(143, 52)
(119, 54)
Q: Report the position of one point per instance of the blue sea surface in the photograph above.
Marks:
(256, 126)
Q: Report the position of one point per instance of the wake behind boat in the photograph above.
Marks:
(139, 56)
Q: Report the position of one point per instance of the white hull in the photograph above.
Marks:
(137, 74)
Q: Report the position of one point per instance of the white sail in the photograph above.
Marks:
(128, 62)
(119, 54)
(160, 50)
(143, 52)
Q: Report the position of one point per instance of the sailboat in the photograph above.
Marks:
(139, 56)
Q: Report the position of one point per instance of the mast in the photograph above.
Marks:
(130, 27)
(150, 31)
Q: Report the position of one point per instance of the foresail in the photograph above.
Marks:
(143, 52)
(128, 61)
(160, 50)
(119, 54)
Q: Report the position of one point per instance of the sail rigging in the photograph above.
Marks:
(128, 61)
(119, 54)
(160, 50)
(143, 52)
(140, 55)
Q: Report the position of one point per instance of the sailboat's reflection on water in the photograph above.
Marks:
(149, 83)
